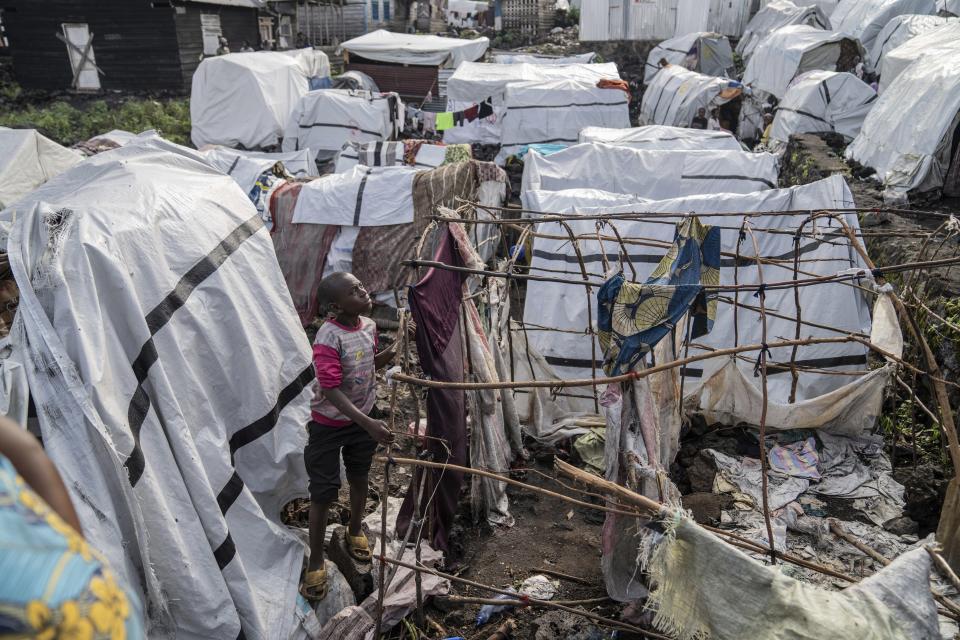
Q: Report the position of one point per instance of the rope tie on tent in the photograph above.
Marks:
(761, 359)
(761, 290)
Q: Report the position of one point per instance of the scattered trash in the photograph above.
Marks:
(540, 587)
(487, 611)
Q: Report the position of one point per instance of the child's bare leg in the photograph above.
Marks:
(358, 502)
(318, 528)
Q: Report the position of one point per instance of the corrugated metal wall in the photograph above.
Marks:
(412, 82)
(594, 21)
(728, 17)
(602, 20)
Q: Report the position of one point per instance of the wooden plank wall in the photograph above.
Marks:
(236, 23)
(134, 42)
(412, 82)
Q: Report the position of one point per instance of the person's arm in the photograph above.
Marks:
(37, 470)
(386, 356)
(376, 428)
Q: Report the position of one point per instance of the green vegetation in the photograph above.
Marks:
(68, 124)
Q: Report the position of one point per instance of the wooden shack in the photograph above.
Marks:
(129, 45)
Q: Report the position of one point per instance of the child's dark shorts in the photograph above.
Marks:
(322, 457)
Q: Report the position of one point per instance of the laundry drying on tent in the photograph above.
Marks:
(675, 97)
(777, 14)
(323, 121)
(822, 102)
(909, 135)
(703, 52)
(662, 137)
(897, 32)
(27, 160)
(940, 41)
(865, 19)
(244, 99)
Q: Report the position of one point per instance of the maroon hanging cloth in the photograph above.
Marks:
(435, 306)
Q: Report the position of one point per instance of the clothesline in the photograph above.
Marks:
(431, 121)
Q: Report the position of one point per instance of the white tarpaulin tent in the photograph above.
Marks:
(777, 14)
(649, 174)
(898, 31)
(728, 17)
(706, 53)
(360, 197)
(944, 40)
(864, 19)
(175, 383)
(554, 112)
(244, 99)
(405, 48)
(908, 135)
(725, 389)
(27, 160)
(790, 51)
(823, 101)
(660, 137)
(474, 82)
(324, 120)
(675, 95)
(532, 58)
(247, 166)
(949, 6)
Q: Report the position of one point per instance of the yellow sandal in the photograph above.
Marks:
(314, 587)
(359, 548)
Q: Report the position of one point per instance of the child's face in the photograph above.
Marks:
(353, 298)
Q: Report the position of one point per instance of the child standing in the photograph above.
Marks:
(345, 359)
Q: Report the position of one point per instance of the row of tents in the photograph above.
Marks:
(817, 78)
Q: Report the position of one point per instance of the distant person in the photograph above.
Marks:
(858, 67)
(346, 362)
(663, 63)
(54, 584)
(245, 47)
(714, 123)
(767, 128)
(224, 46)
(302, 41)
(700, 120)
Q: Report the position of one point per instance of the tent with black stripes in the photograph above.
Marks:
(776, 14)
(865, 19)
(172, 382)
(822, 102)
(703, 52)
(897, 32)
(653, 174)
(324, 120)
(247, 166)
(474, 82)
(244, 99)
(675, 95)
(554, 112)
(662, 137)
(835, 388)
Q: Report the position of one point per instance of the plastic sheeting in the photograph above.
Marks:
(823, 101)
(531, 58)
(777, 14)
(649, 174)
(661, 137)
(27, 160)
(474, 82)
(324, 120)
(405, 48)
(725, 387)
(554, 112)
(907, 135)
(864, 19)
(675, 95)
(244, 99)
(703, 52)
(788, 52)
(949, 6)
(246, 166)
(944, 40)
(898, 31)
(359, 197)
(172, 381)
